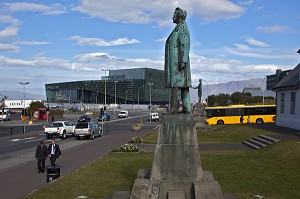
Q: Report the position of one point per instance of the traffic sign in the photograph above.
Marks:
(23, 118)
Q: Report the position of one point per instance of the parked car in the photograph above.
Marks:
(5, 114)
(123, 114)
(84, 118)
(105, 116)
(153, 116)
(74, 110)
(59, 128)
(88, 130)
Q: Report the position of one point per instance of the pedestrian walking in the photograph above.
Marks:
(54, 152)
(41, 156)
(242, 119)
(248, 120)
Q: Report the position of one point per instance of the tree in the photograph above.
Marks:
(223, 99)
(212, 99)
(2, 103)
(35, 104)
(236, 98)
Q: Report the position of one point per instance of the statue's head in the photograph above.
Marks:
(200, 80)
(179, 15)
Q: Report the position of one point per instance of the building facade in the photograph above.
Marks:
(126, 86)
(272, 80)
(288, 100)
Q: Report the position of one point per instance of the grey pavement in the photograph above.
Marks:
(20, 180)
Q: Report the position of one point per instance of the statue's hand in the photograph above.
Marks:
(181, 65)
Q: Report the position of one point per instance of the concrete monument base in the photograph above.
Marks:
(176, 170)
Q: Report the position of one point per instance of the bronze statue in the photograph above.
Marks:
(199, 87)
(177, 63)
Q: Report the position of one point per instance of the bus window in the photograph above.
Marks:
(234, 112)
(218, 112)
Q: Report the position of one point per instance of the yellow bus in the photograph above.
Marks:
(235, 114)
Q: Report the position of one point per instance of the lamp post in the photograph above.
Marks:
(150, 84)
(82, 85)
(115, 96)
(126, 97)
(206, 90)
(139, 96)
(105, 85)
(264, 90)
(24, 84)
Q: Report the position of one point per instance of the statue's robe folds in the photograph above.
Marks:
(177, 50)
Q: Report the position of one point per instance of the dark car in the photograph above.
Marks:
(74, 110)
(84, 118)
(105, 116)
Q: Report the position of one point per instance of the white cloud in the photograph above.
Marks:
(9, 33)
(274, 28)
(32, 43)
(255, 42)
(162, 40)
(53, 9)
(139, 11)
(9, 48)
(250, 2)
(9, 19)
(254, 53)
(101, 42)
(242, 47)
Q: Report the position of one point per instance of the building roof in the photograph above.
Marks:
(291, 81)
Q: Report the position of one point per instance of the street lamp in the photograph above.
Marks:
(115, 96)
(150, 84)
(126, 97)
(206, 90)
(264, 89)
(139, 96)
(82, 85)
(105, 85)
(24, 84)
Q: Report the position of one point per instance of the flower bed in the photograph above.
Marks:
(127, 148)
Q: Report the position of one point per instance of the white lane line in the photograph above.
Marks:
(16, 140)
(34, 140)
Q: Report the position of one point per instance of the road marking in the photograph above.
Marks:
(34, 140)
(16, 140)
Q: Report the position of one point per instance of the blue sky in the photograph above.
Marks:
(57, 41)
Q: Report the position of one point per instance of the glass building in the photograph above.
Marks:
(126, 86)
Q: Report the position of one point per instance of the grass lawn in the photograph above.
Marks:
(114, 172)
(222, 134)
(273, 172)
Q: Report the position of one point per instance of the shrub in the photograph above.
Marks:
(127, 148)
(136, 140)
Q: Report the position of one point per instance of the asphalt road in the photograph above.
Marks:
(18, 170)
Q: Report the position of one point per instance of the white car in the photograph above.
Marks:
(153, 117)
(60, 128)
(123, 114)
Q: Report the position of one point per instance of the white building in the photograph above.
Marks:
(18, 104)
(288, 100)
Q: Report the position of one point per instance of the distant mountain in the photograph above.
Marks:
(227, 88)
(17, 95)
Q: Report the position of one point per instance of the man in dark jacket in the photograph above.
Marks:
(54, 152)
(41, 155)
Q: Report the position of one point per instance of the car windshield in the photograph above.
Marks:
(82, 125)
(57, 124)
(122, 112)
(83, 117)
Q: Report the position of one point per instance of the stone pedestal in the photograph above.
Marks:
(199, 114)
(176, 170)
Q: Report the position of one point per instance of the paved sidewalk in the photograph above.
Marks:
(23, 179)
